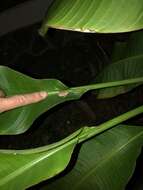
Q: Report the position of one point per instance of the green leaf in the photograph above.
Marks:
(20, 169)
(102, 16)
(19, 120)
(129, 64)
(24, 168)
(129, 68)
(105, 162)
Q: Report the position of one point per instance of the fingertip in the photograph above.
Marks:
(43, 94)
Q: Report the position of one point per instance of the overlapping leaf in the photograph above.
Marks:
(19, 120)
(105, 162)
(103, 16)
(128, 64)
(24, 168)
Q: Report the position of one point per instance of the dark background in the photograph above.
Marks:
(75, 59)
(10, 3)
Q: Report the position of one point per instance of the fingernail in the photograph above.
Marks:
(43, 94)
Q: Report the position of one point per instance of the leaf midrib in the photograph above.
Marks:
(113, 153)
(26, 167)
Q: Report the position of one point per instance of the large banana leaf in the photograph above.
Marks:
(22, 169)
(129, 64)
(104, 16)
(19, 120)
(106, 162)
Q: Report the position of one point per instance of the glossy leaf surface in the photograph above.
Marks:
(19, 120)
(103, 16)
(22, 169)
(105, 162)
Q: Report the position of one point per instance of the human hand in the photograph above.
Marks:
(8, 103)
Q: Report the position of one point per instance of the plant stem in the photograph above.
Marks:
(91, 132)
(81, 90)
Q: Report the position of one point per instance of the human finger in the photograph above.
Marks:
(21, 100)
